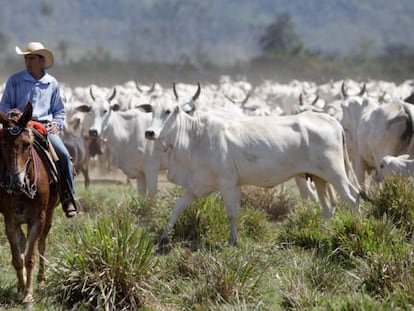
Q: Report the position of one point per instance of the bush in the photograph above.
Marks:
(106, 265)
(393, 199)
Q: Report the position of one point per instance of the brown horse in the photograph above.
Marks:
(27, 196)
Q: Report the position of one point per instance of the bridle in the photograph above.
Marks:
(10, 182)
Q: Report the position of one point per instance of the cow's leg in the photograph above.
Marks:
(179, 206)
(305, 188)
(322, 191)
(231, 198)
(17, 243)
(360, 171)
(347, 191)
(332, 195)
(152, 182)
(141, 184)
(85, 173)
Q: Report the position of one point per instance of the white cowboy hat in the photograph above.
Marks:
(38, 49)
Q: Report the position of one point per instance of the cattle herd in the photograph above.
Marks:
(332, 138)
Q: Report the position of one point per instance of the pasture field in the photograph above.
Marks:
(287, 258)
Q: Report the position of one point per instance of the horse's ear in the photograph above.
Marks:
(3, 118)
(27, 115)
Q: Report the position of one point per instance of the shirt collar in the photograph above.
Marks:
(44, 80)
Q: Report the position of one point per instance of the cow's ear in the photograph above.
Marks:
(84, 108)
(144, 107)
(188, 108)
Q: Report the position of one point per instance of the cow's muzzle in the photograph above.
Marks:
(93, 132)
(150, 134)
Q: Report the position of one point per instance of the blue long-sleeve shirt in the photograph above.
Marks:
(44, 94)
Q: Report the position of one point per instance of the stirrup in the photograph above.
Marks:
(70, 206)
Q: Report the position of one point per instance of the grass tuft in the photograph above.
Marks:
(106, 265)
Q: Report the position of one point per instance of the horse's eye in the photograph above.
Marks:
(167, 111)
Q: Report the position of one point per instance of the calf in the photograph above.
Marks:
(401, 165)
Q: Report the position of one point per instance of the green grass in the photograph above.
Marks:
(287, 257)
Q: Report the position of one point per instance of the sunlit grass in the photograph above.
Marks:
(287, 258)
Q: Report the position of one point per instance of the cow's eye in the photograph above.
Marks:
(167, 111)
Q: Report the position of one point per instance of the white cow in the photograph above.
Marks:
(390, 165)
(123, 131)
(374, 131)
(208, 154)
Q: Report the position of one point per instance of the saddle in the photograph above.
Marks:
(45, 150)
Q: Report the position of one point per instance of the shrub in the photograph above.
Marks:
(208, 279)
(106, 265)
(394, 199)
(272, 201)
(303, 228)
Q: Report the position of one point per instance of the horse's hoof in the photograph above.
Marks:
(28, 298)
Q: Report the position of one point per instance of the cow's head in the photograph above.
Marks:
(98, 113)
(164, 114)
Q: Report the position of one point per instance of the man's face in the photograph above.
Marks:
(34, 63)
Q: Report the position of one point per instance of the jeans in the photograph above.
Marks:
(65, 159)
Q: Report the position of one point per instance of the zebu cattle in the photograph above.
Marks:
(410, 99)
(390, 165)
(123, 131)
(208, 154)
(77, 146)
(374, 131)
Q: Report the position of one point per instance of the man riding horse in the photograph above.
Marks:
(42, 90)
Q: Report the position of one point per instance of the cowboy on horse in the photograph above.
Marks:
(34, 85)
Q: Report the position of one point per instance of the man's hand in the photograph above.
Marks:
(52, 128)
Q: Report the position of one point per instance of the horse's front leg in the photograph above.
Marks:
(33, 234)
(42, 248)
(17, 242)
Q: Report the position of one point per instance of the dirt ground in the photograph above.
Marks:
(114, 175)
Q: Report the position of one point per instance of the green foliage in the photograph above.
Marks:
(303, 227)
(351, 237)
(275, 203)
(296, 261)
(202, 223)
(206, 279)
(106, 264)
(280, 36)
(8, 294)
(393, 200)
(205, 223)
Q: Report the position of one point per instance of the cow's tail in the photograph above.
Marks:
(350, 170)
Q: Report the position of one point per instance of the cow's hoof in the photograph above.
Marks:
(163, 246)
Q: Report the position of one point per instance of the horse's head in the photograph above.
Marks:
(16, 142)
